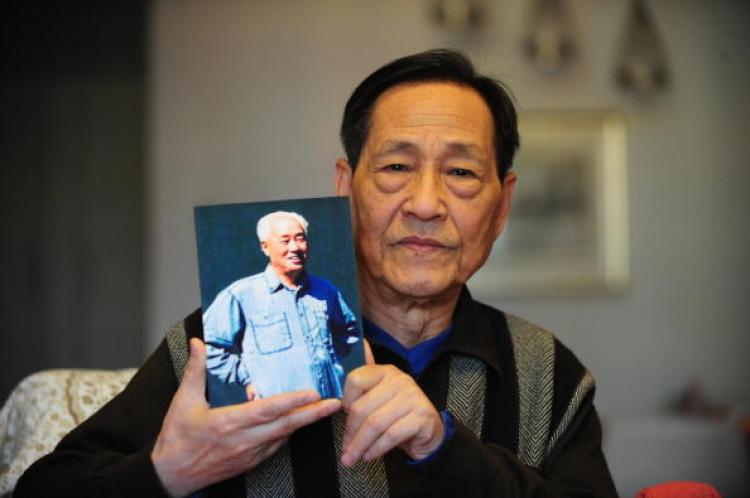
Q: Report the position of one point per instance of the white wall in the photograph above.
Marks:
(247, 98)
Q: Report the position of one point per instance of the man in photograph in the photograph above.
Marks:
(283, 329)
(457, 398)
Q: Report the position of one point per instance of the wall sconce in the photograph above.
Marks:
(641, 60)
(458, 15)
(550, 41)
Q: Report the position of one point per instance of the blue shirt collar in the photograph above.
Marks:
(417, 357)
(275, 284)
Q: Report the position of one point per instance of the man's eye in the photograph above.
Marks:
(463, 172)
(396, 167)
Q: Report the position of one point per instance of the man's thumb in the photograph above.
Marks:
(369, 357)
(194, 378)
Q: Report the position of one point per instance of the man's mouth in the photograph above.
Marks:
(421, 243)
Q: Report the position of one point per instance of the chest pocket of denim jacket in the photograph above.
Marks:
(317, 320)
(271, 333)
(317, 315)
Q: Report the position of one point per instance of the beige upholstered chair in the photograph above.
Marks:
(43, 408)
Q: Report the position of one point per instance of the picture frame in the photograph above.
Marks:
(568, 232)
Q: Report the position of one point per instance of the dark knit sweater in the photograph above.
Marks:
(108, 455)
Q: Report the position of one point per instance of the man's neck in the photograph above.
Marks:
(288, 279)
(408, 319)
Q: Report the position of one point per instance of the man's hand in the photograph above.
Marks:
(198, 446)
(387, 409)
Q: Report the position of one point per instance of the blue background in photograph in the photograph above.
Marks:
(228, 248)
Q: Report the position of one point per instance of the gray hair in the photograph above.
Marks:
(265, 223)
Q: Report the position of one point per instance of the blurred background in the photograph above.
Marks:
(118, 118)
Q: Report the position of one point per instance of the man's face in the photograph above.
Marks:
(427, 200)
(286, 246)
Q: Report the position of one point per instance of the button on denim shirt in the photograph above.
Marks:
(279, 339)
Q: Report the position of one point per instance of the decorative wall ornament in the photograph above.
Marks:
(458, 15)
(641, 62)
(550, 41)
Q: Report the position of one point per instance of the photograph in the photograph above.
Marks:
(279, 298)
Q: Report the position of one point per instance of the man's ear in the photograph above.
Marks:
(506, 194)
(264, 248)
(343, 177)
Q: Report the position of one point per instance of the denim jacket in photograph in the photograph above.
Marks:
(279, 339)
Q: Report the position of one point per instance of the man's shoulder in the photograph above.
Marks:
(517, 325)
(552, 384)
(523, 329)
(532, 341)
(245, 284)
(318, 282)
(532, 335)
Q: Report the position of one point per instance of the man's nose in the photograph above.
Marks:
(426, 197)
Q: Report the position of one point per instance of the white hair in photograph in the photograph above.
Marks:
(266, 222)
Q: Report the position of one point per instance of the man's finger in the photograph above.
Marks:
(250, 392)
(361, 380)
(264, 410)
(369, 357)
(193, 382)
(282, 427)
(305, 415)
(402, 430)
(361, 408)
(361, 438)
(272, 448)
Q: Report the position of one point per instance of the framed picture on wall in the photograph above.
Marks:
(568, 229)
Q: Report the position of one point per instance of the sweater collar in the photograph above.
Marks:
(474, 334)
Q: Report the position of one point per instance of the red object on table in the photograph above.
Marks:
(679, 489)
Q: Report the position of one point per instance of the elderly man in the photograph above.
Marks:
(459, 399)
(276, 330)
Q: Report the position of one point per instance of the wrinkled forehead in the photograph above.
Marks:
(440, 109)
